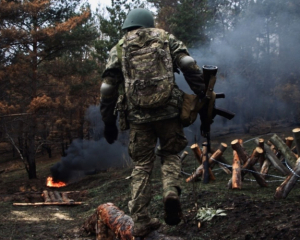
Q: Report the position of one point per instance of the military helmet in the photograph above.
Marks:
(139, 17)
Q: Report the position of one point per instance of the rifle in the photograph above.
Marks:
(209, 111)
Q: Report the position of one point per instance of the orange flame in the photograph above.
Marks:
(50, 183)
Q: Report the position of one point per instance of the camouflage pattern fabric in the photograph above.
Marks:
(147, 67)
(113, 75)
(143, 140)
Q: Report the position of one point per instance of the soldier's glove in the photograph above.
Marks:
(111, 132)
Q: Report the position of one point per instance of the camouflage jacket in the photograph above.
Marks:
(113, 75)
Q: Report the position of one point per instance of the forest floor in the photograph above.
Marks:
(252, 212)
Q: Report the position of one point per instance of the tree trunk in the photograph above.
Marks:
(31, 149)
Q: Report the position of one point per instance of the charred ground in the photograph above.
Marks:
(252, 213)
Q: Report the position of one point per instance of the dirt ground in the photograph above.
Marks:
(252, 212)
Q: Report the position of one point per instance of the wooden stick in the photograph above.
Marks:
(262, 158)
(284, 149)
(183, 155)
(284, 189)
(52, 197)
(57, 196)
(205, 162)
(47, 203)
(65, 198)
(236, 180)
(46, 196)
(196, 174)
(296, 133)
(197, 152)
(257, 152)
(274, 160)
(217, 155)
(265, 168)
(224, 168)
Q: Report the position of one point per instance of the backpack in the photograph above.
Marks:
(147, 67)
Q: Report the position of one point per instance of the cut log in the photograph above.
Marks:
(262, 158)
(205, 162)
(224, 168)
(52, 197)
(110, 223)
(257, 152)
(284, 189)
(289, 141)
(243, 156)
(265, 168)
(116, 220)
(284, 149)
(65, 198)
(258, 177)
(57, 196)
(216, 156)
(236, 180)
(197, 174)
(249, 165)
(47, 203)
(183, 155)
(296, 133)
(273, 159)
(197, 152)
(46, 196)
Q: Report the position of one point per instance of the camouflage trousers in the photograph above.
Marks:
(143, 141)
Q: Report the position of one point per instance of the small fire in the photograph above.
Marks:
(51, 183)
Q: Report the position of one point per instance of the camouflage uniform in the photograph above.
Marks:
(146, 126)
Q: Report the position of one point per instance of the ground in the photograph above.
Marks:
(252, 212)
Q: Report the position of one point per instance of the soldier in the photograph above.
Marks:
(138, 84)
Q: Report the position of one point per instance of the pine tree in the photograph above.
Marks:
(33, 32)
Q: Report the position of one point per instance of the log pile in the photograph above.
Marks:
(52, 198)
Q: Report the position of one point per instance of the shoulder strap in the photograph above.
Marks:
(119, 49)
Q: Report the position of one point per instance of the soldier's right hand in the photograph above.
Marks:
(111, 133)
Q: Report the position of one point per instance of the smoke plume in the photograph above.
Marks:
(90, 156)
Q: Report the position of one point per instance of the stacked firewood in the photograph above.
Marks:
(207, 161)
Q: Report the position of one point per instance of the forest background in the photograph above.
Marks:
(52, 55)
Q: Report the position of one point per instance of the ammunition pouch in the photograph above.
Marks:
(187, 104)
(190, 109)
(121, 107)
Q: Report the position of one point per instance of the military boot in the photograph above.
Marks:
(172, 206)
(143, 228)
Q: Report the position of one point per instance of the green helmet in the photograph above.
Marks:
(139, 17)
